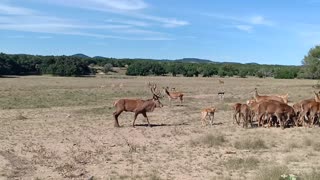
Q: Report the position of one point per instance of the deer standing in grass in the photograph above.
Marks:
(260, 98)
(208, 112)
(173, 95)
(246, 115)
(278, 109)
(138, 106)
(236, 111)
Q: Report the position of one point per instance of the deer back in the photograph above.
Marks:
(129, 105)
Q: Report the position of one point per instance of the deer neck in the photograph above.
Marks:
(167, 92)
(256, 95)
(150, 106)
(316, 98)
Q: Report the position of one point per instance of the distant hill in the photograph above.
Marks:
(183, 60)
(99, 57)
(81, 55)
(194, 60)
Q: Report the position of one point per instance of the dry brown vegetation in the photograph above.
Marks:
(62, 128)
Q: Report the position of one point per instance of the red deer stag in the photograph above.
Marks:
(138, 106)
(207, 112)
(173, 95)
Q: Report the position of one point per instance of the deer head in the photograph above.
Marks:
(156, 94)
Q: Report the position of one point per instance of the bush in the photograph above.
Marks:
(284, 73)
(64, 66)
(107, 68)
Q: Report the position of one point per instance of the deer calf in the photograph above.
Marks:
(173, 95)
(208, 112)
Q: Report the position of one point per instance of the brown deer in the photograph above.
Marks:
(173, 95)
(221, 82)
(138, 106)
(236, 111)
(246, 115)
(313, 110)
(285, 97)
(275, 108)
(259, 98)
(305, 106)
(208, 112)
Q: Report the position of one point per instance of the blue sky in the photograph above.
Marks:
(268, 32)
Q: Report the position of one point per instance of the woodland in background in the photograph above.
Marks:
(78, 65)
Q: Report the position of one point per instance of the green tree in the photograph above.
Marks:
(243, 73)
(311, 64)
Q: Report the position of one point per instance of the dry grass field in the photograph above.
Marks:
(62, 128)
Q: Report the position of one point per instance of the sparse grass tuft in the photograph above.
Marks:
(314, 175)
(221, 178)
(238, 163)
(307, 141)
(154, 175)
(271, 172)
(95, 111)
(292, 158)
(21, 117)
(223, 107)
(316, 146)
(250, 144)
(291, 146)
(209, 140)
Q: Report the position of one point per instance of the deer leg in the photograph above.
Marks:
(135, 117)
(302, 119)
(203, 118)
(235, 117)
(243, 119)
(211, 119)
(116, 115)
(145, 115)
(259, 119)
(279, 117)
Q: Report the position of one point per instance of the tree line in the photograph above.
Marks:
(22, 64)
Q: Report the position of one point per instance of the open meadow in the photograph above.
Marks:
(63, 128)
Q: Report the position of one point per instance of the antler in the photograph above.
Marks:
(154, 90)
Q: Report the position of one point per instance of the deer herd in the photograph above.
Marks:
(266, 110)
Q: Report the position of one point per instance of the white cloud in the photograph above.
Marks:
(253, 20)
(11, 10)
(129, 22)
(260, 20)
(104, 5)
(36, 22)
(129, 8)
(45, 37)
(246, 28)
(247, 22)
